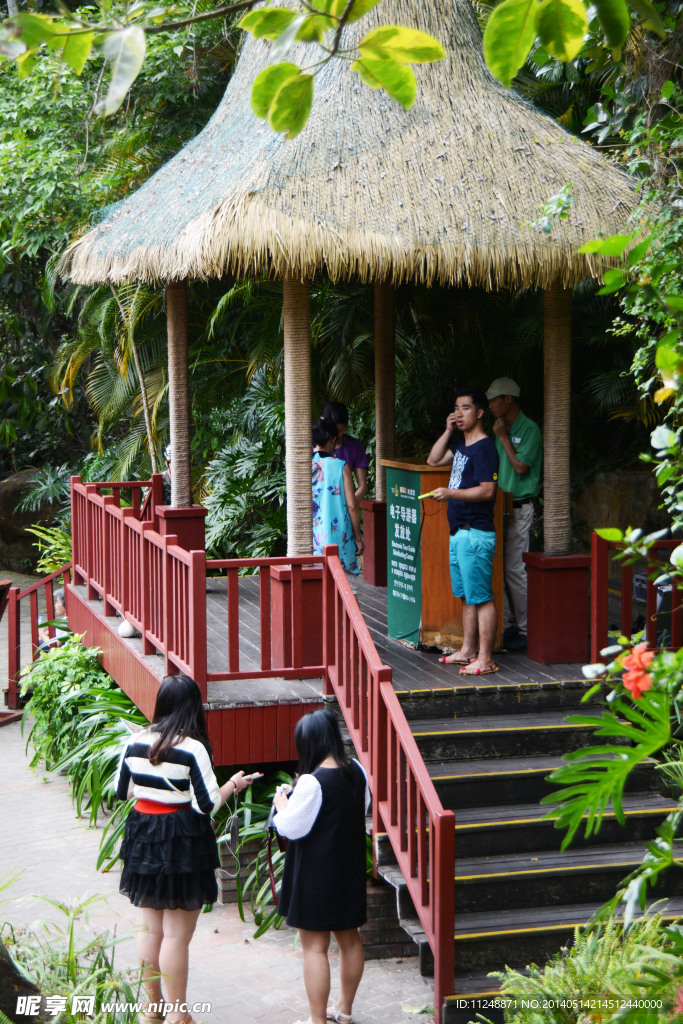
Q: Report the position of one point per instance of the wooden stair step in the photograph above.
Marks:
(513, 865)
(513, 780)
(498, 735)
(524, 827)
(551, 877)
(517, 937)
(462, 698)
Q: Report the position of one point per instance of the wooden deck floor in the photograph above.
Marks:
(412, 670)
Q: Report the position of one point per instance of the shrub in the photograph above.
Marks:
(79, 728)
(610, 975)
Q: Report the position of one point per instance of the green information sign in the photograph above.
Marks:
(404, 585)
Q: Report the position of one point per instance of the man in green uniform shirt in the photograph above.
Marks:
(518, 441)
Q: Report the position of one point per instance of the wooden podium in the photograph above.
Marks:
(421, 605)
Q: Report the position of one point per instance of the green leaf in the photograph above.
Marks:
(615, 21)
(313, 28)
(561, 26)
(668, 359)
(26, 63)
(291, 106)
(360, 9)
(615, 245)
(34, 29)
(610, 533)
(76, 48)
(594, 777)
(638, 251)
(667, 90)
(508, 38)
(333, 7)
(405, 45)
(125, 51)
(267, 84)
(614, 280)
(267, 22)
(674, 302)
(649, 15)
(396, 79)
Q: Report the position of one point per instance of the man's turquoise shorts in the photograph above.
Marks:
(470, 556)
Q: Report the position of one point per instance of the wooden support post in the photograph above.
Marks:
(297, 364)
(385, 382)
(557, 529)
(178, 393)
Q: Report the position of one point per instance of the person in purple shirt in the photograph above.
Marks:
(349, 448)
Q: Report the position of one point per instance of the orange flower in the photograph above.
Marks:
(637, 679)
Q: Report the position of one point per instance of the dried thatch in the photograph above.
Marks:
(440, 193)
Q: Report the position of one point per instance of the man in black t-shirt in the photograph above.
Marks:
(470, 494)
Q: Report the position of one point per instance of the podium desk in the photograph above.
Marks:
(421, 608)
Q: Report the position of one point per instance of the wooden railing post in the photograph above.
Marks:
(90, 492)
(329, 619)
(13, 648)
(444, 910)
(107, 560)
(599, 583)
(146, 596)
(126, 602)
(378, 733)
(197, 613)
(169, 610)
(76, 530)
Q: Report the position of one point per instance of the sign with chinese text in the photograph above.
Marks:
(404, 585)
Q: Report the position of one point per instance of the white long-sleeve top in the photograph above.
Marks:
(298, 818)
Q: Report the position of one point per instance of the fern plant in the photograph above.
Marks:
(611, 974)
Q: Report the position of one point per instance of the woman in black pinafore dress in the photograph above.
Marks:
(323, 885)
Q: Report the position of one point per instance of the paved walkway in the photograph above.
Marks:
(244, 979)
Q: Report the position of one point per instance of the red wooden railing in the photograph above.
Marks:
(297, 668)
(15, 597)
(405, 803)
(602, 552)
(161, 589)
(147, 578)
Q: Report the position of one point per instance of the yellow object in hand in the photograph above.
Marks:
(429, 494)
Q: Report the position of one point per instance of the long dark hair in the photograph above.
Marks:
(317, 735)
(178, 713)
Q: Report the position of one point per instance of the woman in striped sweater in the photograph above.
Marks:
(169, 850)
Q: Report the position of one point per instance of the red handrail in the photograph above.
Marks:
(15, 597)
(161, 588)
(405, 803)
(601, 550)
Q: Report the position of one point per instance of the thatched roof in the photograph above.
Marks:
(440, 193)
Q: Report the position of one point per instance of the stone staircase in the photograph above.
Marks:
(518, 898)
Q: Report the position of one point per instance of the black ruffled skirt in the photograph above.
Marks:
(169, 860)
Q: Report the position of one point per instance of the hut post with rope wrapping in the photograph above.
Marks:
(441, 193)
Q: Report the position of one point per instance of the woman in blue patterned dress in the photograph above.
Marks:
(336, 515)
